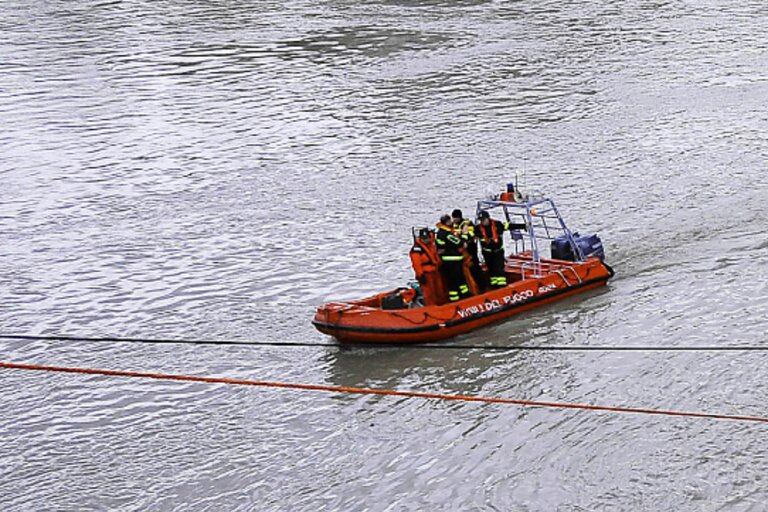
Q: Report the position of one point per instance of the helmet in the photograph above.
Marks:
(456, 214)
(483, 215)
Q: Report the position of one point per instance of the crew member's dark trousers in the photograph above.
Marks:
(454, 277)
(495, 262)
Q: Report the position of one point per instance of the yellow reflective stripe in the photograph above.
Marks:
(439, 241)
(453, 258)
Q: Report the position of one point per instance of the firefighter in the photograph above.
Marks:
(489, 232)
(451, 247)
(465, 228)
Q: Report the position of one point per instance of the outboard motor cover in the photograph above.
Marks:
(590, 246)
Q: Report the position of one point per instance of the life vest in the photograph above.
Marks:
(491, 241)
(470, 229)
(470, 237)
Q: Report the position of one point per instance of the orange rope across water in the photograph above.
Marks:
(373, 391)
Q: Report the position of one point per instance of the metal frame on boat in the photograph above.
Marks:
(536, 221)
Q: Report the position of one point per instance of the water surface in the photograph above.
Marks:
(217, 170)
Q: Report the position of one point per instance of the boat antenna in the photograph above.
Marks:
(518, 194)
(525, 165)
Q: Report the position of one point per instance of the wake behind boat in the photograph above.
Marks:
(423, 312)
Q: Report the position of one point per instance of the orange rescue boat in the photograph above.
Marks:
(422, 313)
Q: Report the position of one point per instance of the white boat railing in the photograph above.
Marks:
(542, 268)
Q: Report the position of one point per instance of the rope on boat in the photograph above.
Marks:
(375, 391)
(441, 346)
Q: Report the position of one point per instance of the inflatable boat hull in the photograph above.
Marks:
(364, 321)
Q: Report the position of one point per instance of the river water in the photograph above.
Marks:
(215, 170)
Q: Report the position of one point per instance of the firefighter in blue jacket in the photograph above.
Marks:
(451, 248)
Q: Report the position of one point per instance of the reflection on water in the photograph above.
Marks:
(216, 170)
(469, 371)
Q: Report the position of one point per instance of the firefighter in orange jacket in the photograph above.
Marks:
(451, 248)
(489, 232)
